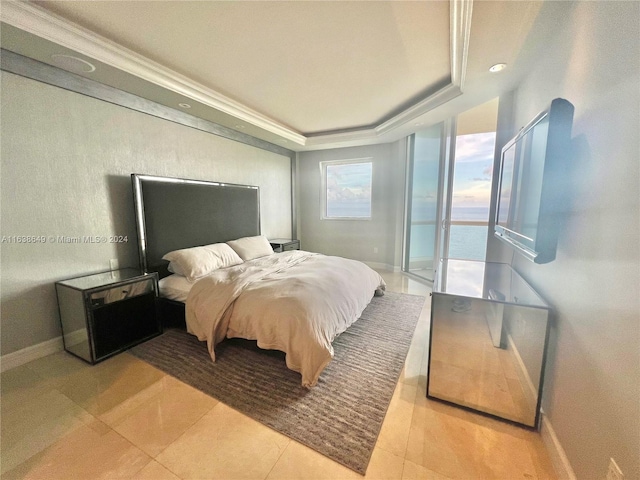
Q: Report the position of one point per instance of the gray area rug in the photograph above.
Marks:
(341, 416)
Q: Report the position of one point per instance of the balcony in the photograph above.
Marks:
(467, 241)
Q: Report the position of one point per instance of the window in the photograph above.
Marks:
(449, 190)
(473, 166)
(346, 189)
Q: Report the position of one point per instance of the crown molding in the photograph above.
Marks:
(434, 100)
(460, 28)
(44, 24)
(45, 73)
(459, 32)
(49, 26)
(343, 139)
(371, 135)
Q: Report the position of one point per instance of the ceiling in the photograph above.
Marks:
(301, 74)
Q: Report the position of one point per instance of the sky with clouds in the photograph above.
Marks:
(350, 184)
(349, 189)
(473, 168)
(349, 181)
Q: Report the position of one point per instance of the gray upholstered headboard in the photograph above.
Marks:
(174, 213)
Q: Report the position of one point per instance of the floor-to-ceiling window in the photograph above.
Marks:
(471, 196)
(471, 189)
(449, 190)
(422, 201)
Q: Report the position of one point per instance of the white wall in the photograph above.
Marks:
(592, 390)
(356, 239)
(66, 166)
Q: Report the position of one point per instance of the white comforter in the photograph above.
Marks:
(296, 302)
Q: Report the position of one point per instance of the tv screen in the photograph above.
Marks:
(530, 193)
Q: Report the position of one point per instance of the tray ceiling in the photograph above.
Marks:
(302, 74)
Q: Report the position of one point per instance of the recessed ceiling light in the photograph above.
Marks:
(184, 105)
(73, 64)
(498, 67)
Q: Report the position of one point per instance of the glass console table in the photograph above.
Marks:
(488, 341)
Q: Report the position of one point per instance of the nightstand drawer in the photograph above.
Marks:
(284, 244)
(291, 246)
(116, 294)
(105, 313)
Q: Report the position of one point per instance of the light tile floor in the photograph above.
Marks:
(63, 419)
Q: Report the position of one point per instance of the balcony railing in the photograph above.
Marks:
(473, 223)
(464, 243)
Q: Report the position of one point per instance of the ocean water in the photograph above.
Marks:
(353, 209)
(425, 210)
(476, 214)
(467, 242)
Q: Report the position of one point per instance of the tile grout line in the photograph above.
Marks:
(279, 457)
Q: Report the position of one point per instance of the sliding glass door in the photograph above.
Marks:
(473, 156)
(448, 190)
(425, 152)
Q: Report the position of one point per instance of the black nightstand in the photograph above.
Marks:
(106, 313)
(284, 244)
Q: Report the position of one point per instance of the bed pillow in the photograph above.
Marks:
(197, 262)
(249, 248)
(175, 287)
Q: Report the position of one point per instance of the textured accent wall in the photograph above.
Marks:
(65, 171)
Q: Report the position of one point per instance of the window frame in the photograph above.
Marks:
(323, 187)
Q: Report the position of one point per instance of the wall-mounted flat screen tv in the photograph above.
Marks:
(531, 192)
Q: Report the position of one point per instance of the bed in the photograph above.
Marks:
(203, 239)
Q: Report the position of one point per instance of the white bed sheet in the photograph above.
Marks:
(296, 302)
(175, 287)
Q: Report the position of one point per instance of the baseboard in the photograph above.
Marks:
(530, 391)
(383, 266)
(26, 355)
(556, 452)
(74, 338)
